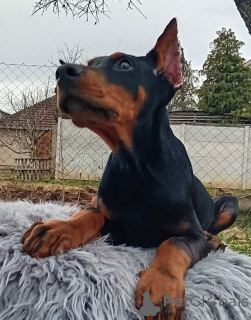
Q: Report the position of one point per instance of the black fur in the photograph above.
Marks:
(149, 189)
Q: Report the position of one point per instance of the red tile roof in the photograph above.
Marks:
(44, 114)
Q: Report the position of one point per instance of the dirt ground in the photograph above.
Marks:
(81, 193)
(237, 237)
(36, 193)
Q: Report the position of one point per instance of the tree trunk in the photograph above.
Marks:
(244, 7)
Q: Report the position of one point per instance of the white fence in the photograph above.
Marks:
(81, 154)
(221, 156)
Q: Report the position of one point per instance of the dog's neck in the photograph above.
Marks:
(151, 134)
(157, 161)
(152, 143)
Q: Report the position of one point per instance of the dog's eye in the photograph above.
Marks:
(124, 65)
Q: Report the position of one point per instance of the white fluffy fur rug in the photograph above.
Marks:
(97, 282)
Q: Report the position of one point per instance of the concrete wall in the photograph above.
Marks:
(221, 156)
(81, 154)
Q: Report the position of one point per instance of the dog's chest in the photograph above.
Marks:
(144, 207)
(141, 223)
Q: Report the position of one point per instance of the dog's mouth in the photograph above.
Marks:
(83, 112)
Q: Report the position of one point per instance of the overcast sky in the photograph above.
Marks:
(34, 39)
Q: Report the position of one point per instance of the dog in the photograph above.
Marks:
(148, 195)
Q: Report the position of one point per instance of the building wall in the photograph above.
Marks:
(248, 63)
(44, 145)
(9, 154)
(221, 156)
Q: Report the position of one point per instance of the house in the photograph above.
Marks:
(2, 114)
(26, 135)
(248, 63)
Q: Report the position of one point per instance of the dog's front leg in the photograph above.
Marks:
(48, 238)
(163, 280)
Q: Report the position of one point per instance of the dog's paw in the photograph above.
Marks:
(160, 295)
(44, 239)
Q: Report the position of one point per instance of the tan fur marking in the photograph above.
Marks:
(224, 218)
(102, 207)
(117, 55)
(94, 201)
(61, 236)
(172, 258)
(163, 278)
(182, 227)
(88, 223)
(95, 90)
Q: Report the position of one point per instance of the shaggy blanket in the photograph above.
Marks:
(97, 281)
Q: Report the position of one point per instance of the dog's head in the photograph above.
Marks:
(108, 94)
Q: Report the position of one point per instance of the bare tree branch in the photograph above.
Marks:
(131, 5)
(80, 8)
(95, 8)
(75, 54)
(22, 129)
(8, 146)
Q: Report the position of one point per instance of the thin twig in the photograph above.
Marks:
(80, 8)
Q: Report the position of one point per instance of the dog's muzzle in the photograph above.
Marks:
(67, 74)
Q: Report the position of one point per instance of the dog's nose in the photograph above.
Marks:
(69, 71)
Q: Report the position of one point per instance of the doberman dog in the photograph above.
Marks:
(148, 196)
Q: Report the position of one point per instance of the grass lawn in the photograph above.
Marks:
(66, 183)
(238, 236)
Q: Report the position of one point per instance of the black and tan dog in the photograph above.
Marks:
(148, 195)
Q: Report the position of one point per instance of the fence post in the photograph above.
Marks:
(58, 161)
(54, 133)
(245, 158)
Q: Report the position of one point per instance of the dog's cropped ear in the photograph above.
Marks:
(166, 52)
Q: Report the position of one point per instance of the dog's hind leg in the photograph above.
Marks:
(214, 242)
(225, 213)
